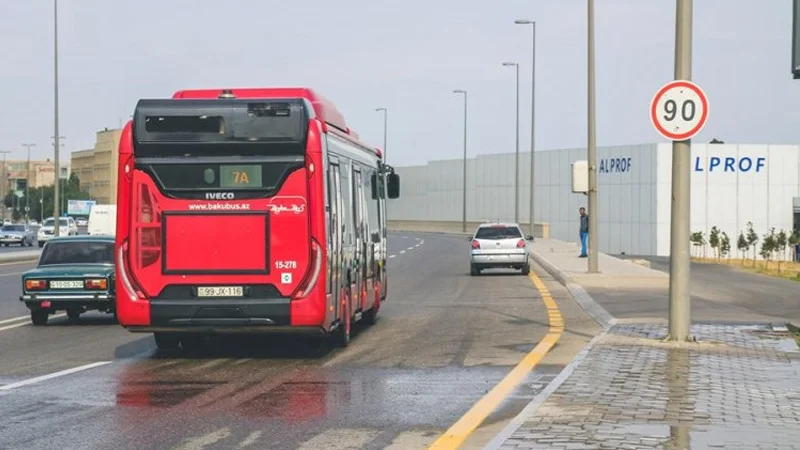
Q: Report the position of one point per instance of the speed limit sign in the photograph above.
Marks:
(679, 110)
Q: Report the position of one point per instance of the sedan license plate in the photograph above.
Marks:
(220, 291)
(59, 284)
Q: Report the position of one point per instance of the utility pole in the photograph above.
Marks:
(56, 143)
(680, 259)
(464, 166)
(28, 182)
(516, 160)
(532, 189)
(385, 128)
(5, 182)
(592, 148)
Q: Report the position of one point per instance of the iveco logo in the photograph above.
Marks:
(219, 195)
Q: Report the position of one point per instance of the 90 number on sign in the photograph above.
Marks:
(679, 110)
(688, 110)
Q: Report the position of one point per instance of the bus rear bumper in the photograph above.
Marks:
(237, 328)
(222, 316)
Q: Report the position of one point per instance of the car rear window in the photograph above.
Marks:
(77, 253)
(498, 232)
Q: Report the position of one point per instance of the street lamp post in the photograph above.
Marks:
(516, 162)
(594, 235)
(56, 144)
(385, 128)
(28, 181)
(464, 166)
(531, 221)
(5, 182)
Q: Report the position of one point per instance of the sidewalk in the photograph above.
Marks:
(737, 387)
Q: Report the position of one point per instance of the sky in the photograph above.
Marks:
(407, 56)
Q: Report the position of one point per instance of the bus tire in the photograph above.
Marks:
(167, 341)
(342, 333)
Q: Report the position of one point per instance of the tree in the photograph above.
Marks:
(752, 240)
(42, 199)
(794, 241)
(781, 240)
(713, 241)
(725, 245)
(742, 245)
(768, 246)
(698, 240)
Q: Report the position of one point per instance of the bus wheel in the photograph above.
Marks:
(342, 336)
(167, 341)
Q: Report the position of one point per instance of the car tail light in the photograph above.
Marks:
(476, 244)
(310, 280)
(96, 283)
(521, 243)
(35, 285)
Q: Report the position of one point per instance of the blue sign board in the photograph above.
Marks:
(615, 165)
(730, 164)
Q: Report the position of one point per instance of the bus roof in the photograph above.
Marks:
(323, 108)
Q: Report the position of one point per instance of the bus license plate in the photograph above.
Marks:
(220, 291)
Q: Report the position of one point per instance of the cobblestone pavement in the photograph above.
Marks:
(735, 388)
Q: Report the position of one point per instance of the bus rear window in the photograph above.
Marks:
(258, 176)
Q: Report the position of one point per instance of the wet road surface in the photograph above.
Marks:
(443, 340)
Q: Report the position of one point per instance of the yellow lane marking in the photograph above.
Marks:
(455, 436)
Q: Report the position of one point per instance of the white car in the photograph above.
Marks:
(66, 227)
(499, 245)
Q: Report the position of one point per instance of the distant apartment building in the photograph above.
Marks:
(16, 176)
(97, 167)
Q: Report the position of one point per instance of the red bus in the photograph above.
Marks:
(248, 210)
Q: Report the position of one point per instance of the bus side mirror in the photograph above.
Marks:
(376, 238)
(393, 185)
(374, 183)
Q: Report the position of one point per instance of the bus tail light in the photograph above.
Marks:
(310, 280)
(96, 283)
(148, 224)
(476, 244)
(35, 285)
(124, 275)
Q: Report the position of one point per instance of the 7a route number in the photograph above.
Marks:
(679, 110)
(286, 264)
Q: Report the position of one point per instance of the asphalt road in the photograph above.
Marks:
(444, 339)
(719, 293)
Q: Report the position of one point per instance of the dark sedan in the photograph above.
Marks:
(75, 273)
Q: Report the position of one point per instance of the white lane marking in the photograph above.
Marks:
(14, 319)
(392, 256)
(410, 248)
(201, 442)
(8, 387)
(18, 325)
(250, 440)
(340, 439)
(402, 251)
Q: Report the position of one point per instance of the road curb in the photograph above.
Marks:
(457, 233)
(24, 256)
(529, 410)
(585, 301)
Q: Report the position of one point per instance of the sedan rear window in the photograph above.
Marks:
(77, 253)
(13, 228)
(498, 232)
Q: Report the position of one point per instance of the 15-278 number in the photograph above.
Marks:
(286, 264)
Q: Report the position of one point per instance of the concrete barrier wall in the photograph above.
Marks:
(446, 226)
(432, 195)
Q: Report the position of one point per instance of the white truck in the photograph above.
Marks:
(102, 220)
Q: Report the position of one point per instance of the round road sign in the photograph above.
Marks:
(679, 110)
